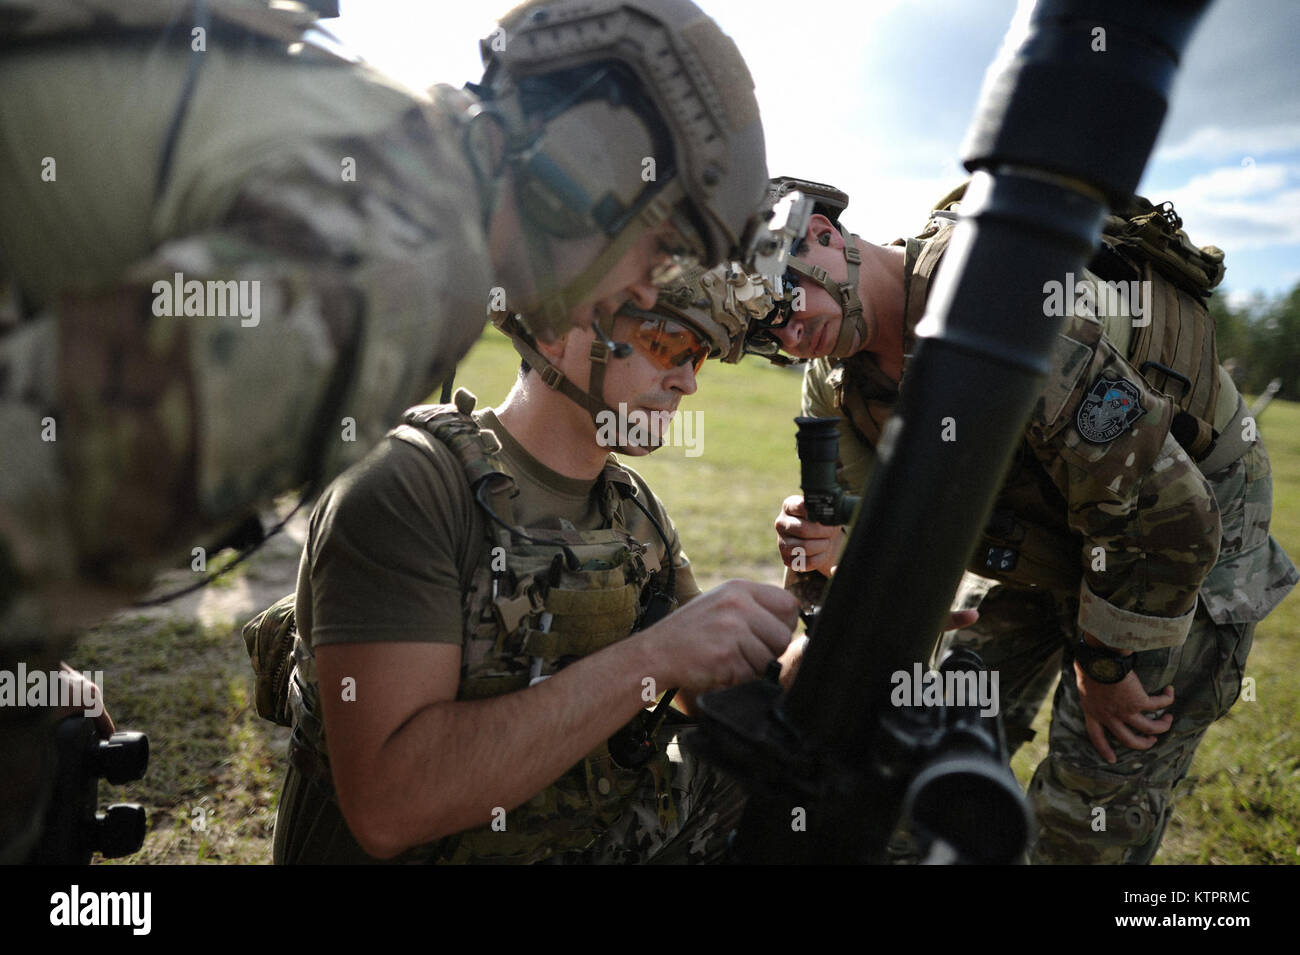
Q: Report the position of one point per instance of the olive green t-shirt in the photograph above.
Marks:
(394, 540)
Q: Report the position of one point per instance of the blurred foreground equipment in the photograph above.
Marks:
(74, 828)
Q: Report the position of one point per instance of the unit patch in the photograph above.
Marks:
(1109, 410)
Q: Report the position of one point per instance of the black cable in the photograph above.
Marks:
(242, 556)
(202, 21)
(661, 710)
(570, 557)
(668, 548)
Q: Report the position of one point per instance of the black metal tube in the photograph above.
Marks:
(944, 453)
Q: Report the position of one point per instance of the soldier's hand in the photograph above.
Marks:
(724, 637)
(793, 655)
(790, 661)
(806, 546)
(89, 695)
(1121, 708)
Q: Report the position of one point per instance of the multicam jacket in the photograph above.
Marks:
(1101, 501)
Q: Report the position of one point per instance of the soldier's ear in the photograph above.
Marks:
(821, 232)
(553, 350)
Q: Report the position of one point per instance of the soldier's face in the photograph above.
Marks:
(813, 331)
(640, 387)
(631, 279)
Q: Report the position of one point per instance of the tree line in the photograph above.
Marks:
(1260, 341)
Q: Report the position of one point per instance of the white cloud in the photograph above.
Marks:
(1237, 299)
(1241, 182)
(1214, 143)
(1223, 207)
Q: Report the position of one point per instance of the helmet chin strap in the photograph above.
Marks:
(845, 294)
(592, 400)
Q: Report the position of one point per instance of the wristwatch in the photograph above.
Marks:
(1102, 665)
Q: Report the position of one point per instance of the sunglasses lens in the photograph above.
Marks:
(670, 345)
(779, 317)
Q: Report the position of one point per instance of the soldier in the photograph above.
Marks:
(233, 257)
(1125, 550)
(477, 607)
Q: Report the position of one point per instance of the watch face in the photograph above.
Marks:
(1106, 670)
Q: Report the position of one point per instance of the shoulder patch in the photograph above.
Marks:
(1108, 410)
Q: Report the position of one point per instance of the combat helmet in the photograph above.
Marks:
(830, 202)
(649, 115)
(719, 303)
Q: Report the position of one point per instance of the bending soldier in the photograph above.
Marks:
(1125, 551)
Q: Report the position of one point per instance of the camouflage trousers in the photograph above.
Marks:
(706, 807)
(1089, 811)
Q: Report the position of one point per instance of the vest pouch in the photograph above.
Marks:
(559, 819)
(269, 639)
(1021, 554)
(614, 790)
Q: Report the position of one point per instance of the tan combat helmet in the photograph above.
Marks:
(620, 114)
(721, 304)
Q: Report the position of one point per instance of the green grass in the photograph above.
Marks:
(190, 686)
(215, 767)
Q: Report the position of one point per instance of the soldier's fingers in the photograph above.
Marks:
(814, 557)
(793, 527)
(1165, 698)
(104, 725)
(794, 505)
(776, 627)
(1124, 735)
(1145, 724)
(798, 556)
(782, 614)
(811, 546)
(1098, 738)
(962, 618)
(759, 653)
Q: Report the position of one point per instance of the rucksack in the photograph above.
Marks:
(1174, 348)
(269, 637)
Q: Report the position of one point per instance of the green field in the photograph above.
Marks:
(216, 763)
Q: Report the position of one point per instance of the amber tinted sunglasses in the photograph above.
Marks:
(670, 344)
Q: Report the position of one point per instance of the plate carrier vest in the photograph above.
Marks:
(534, 600)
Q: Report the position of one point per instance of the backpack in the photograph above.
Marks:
(269, 637)
(1173, 348)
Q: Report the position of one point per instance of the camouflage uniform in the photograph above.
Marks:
(1104, 524)
(131, 156)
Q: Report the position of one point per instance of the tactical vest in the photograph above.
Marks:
(1028, 540)
(535, 600)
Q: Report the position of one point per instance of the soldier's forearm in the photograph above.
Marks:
(451, 764)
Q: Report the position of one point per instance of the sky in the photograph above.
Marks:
(875, 97)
